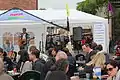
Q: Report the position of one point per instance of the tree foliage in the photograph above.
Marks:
(91, 6)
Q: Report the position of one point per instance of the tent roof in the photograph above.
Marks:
(60, 16)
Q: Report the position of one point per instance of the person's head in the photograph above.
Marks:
(34, 54)
(1, 52)
(93, 45)
(24, 30)
(32, 48)
(61, 55)
(98, 60)
(52, 52)
(86, 48)
(1, 66)
(112, 68)
(99, 47)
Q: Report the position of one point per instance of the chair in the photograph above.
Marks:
(56, 75)
(30, 75)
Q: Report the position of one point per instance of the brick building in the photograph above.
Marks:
(22, 4)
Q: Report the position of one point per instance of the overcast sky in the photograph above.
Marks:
(57, 4)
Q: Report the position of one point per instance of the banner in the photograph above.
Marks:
(17, 14)
(99, 34)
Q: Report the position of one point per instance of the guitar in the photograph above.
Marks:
(23, 42)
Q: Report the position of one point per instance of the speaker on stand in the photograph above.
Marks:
(77, 37)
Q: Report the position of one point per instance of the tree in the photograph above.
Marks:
(91, 6)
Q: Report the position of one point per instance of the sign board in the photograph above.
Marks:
(17, 14)
(99, 34)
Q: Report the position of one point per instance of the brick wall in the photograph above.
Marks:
(22, 4)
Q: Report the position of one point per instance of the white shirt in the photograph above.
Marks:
(24, 36)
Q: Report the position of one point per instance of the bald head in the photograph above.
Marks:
(61, 55)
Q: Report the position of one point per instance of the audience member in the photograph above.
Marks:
(57, 75)
(28, 64)
(60, 66)
(49, 64)
(1, 53)
(31, 48)
(72, 63)
(52, 52)
(113, 70)
(98, 60)
(23, 58)
(93, 45)
(7, 62)
(90, 52)
(37, 64)
(3, 75)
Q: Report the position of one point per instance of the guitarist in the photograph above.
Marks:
(24, 39)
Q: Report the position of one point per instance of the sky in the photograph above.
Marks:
(57, 4)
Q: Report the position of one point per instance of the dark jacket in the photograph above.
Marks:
(8, 64)
(72, 66)
(38, 66)
(57, 75)
(51, 61)
(89, 56)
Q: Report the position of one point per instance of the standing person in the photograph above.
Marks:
(24, 39)
(37, 64)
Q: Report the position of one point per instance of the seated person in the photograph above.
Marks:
(37, 64)
(113, 70)
(23, 58)
(3, 75)
(89, 52)
(51, 62)
(7, 62)
(61, 65)
(98, 60)
(57, 75)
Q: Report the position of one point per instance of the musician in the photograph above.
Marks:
(24, 37)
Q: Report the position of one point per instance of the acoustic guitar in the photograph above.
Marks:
(23, 42)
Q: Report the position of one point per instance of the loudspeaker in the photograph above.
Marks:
(77, 33)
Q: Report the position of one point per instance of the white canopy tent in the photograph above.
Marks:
(76, 18)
